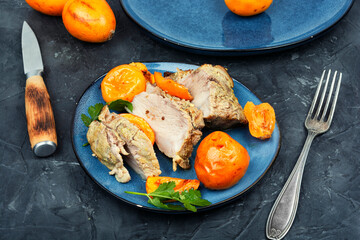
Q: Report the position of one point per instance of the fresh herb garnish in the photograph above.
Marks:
(94, 111)
(165, 191)
(120, 105)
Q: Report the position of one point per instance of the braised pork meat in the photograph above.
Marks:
(212, 89)
(107, 146)
(114, 137)
(177, 123)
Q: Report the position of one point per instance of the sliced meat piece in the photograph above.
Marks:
(212, 89)
(141, 155)
(107, 146)
(176, 123)
(195, 114)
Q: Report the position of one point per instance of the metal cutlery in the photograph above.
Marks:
(318, 121)
(39, 113)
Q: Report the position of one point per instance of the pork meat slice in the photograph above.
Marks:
(195, 114)
(107, 146)
(141, 155)
(212, 89)
(177, 123)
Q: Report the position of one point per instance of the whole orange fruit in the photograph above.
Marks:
(89, 20)
(248, 7)
(220, 161)
(49, 7)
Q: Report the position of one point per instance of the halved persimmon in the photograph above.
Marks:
(171, 87)
(123, 82)
(152, 183)
(149, 77)
(141, 124)
(261, 119)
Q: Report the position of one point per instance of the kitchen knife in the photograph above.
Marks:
(39, 114)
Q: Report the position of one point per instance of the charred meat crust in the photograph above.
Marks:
(221, 108)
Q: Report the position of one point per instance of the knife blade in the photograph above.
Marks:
(39, 113)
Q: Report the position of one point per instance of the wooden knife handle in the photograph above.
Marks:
(40, 117)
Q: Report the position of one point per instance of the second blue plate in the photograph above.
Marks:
(208, 27)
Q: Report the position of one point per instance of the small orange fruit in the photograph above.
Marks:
(149, 77)
(141, 124)
(49, 7)
(152, 183)
(171, 87)
(248, 7)
(261, 119)
(123, 82)
(89, 20)
(220, 161)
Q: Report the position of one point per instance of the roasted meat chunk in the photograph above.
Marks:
(107, 146)
(177, 123)
(212, 89)
(115, 135)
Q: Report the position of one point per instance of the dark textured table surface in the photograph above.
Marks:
(53, 198)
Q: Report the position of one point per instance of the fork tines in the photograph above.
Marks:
(325, 115)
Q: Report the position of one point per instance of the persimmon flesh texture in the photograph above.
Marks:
(123, 82)
(220, 161)
(248, 7)
(261, 119)
(152, 183)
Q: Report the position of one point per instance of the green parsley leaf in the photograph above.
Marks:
(194, 197)
(86, 120)
(94, 111)
(165, 191)
(157, 203)
(120, 105)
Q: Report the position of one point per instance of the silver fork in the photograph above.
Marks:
(317, 121)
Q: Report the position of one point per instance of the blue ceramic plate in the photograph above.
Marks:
(262, 153)
(208, 27)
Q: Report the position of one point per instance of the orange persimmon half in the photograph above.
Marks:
(248, 7)
(148, 76)
(141, 124)
(261, 119)
(123, 82)
(220, 161)
(171, 87)
(152, 183)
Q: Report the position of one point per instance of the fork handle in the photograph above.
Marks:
(283, 212)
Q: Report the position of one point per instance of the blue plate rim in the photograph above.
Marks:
(158, 210)
(236, 52)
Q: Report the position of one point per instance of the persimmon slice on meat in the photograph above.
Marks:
(141, 124)
(171, 87)
(123, 82)
(152, 183)
(261, 119)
